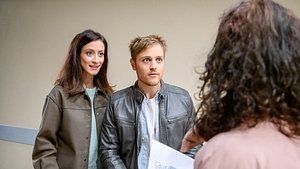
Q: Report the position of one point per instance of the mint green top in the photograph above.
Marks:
(93, 152)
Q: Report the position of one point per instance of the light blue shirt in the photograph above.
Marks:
(145, 138)
(93, 151)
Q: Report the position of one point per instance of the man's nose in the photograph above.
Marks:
(153, 64)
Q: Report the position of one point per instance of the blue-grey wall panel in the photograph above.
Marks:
(17, 134)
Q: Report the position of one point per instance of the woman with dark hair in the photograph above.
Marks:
(74, 109)
(250, 109)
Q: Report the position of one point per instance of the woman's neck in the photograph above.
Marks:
(88, 82)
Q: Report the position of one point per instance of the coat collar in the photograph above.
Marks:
(98, 91)
(139, 97)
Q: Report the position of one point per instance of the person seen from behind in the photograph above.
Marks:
(250, 109)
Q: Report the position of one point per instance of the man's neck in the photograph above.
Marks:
(149, 91)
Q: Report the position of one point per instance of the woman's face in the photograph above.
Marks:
(92, 58)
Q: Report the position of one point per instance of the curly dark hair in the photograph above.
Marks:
(252, 73)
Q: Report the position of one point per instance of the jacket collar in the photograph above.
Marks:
(99, 91)
(139, 97)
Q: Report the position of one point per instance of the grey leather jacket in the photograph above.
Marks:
(119, 146)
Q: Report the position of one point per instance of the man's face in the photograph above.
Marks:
(149, 66)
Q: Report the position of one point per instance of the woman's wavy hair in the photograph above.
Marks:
(252, 73)
(70, 76)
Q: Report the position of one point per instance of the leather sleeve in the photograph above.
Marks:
(109, 143)
(192, 152)
(44, 150)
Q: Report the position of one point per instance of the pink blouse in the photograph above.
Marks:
(261, 147)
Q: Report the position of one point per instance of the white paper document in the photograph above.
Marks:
(165, 157)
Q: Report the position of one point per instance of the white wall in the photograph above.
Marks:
(35, 34)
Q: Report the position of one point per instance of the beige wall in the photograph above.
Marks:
(35, 34)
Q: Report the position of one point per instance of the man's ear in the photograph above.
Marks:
(132, 62)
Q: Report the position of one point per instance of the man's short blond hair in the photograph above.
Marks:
(140, 43)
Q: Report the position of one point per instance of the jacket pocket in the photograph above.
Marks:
(180, 117)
